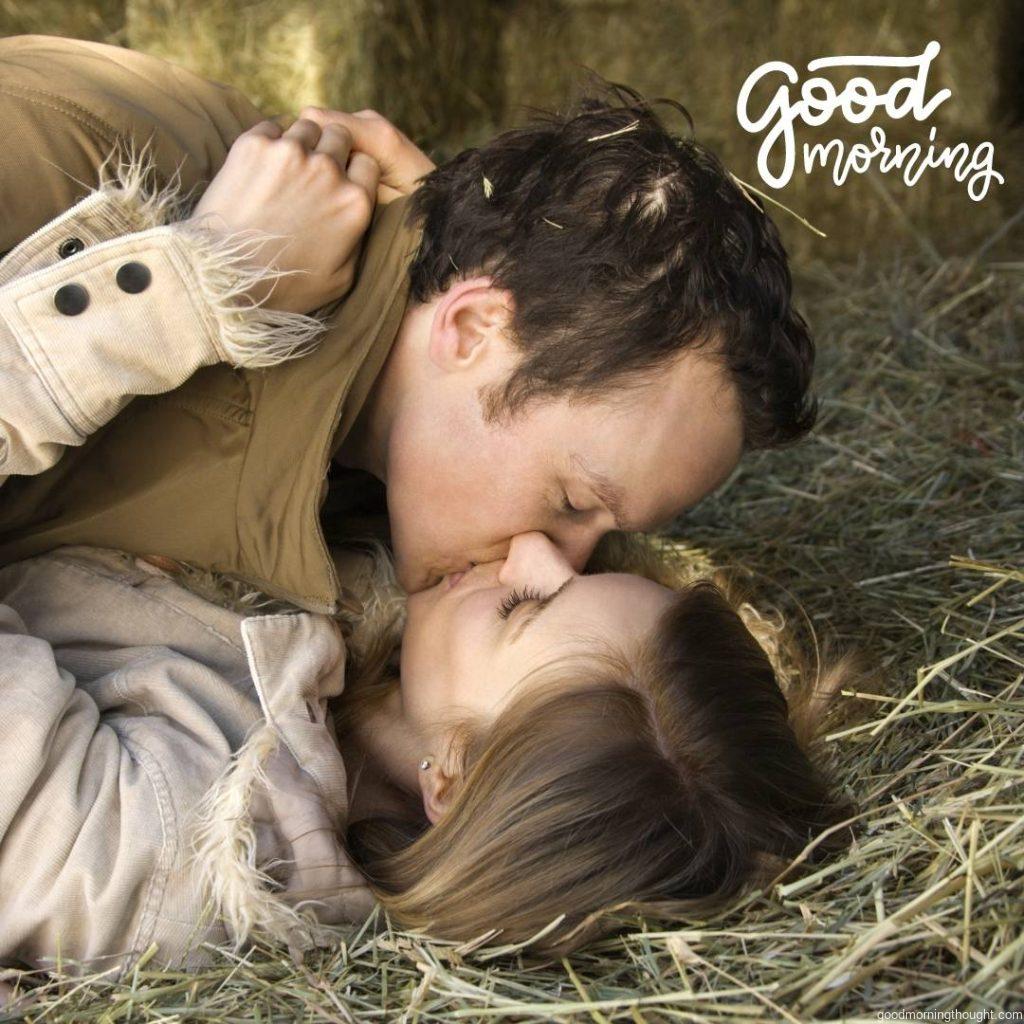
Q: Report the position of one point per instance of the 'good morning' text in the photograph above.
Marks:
(858, 100)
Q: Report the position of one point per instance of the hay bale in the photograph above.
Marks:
(439, 68)
(700, 53)
(98, 20)
(282, 55)
(425, 64)
(453, 74)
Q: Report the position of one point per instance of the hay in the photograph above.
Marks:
(700, 52)
(898, 530)
(451, 74)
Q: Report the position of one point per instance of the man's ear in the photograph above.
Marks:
(469, 320)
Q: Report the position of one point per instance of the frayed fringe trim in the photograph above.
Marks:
(384, 605)
(224, 854)
(227, 270)
(225, 266)
(128, 182)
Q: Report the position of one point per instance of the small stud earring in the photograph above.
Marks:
(425, 764)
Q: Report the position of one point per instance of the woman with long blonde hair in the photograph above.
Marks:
(519, 754)
(559, 746)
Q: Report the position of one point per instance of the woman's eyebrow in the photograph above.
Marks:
(531, 614)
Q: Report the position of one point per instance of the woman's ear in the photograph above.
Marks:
(440, 781)
(470, 316)
(437, 794)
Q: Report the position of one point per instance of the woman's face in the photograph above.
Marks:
(473, 640)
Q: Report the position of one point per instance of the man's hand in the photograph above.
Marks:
(312, 192)
(401, 162)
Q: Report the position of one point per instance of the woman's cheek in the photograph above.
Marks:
(476, 629)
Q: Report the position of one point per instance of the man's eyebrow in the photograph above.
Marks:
(531, 614)
(611, 495)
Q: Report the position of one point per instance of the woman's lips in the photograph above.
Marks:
(453, 578)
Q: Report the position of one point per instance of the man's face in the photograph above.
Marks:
(461, 487)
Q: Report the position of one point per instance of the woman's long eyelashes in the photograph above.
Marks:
(515, 598)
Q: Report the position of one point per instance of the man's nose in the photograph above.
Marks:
(535, 561)
(577, 548)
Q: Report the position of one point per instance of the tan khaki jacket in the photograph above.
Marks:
(170, 775)
(228, 471)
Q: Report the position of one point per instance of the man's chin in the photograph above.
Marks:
(415, 575)
(413, 578)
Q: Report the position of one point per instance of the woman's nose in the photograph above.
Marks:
(535, 561)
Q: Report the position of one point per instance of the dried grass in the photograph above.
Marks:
(897, 529)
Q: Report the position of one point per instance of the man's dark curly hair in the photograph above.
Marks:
(621, 244)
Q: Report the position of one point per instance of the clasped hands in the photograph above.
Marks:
(310, 189)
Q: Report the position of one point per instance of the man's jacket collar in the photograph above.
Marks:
(306, 408)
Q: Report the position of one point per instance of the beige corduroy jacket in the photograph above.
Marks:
(170, 774)
(230, 470)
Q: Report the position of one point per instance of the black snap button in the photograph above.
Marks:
(69, 247)
(71, 299)
(133, 278)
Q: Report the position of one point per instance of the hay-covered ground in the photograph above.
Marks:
(899, 530)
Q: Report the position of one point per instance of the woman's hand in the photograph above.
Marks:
(402, 163)
(308, 189)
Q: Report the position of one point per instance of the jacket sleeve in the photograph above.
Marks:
(65, 103)
(53, 742)
(113, 299)
(94, 862)
(113, 746)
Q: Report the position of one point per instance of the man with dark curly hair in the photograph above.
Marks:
(576, 327)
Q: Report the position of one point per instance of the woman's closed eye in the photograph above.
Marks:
(516, 598)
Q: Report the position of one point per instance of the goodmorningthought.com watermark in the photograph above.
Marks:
(950, 1015)
(858, 100)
